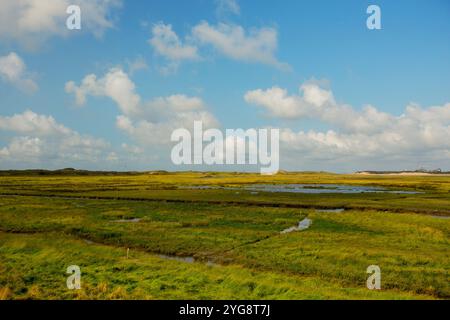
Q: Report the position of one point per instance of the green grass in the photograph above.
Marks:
(435, 196)
(106, 273)
(49, 223)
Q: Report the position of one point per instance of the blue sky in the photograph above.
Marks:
(323, 44)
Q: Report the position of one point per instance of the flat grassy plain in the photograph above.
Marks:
(220, 243)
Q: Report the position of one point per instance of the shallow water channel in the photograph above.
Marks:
(305, 188)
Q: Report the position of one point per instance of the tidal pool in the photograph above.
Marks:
(305, 188)
(302, 225)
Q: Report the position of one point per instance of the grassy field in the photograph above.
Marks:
(220, 243)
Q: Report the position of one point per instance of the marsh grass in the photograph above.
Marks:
(107, 274)
(48, 223)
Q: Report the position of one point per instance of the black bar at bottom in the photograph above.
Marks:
(226, 309)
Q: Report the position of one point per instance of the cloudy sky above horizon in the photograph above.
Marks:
(108, 97)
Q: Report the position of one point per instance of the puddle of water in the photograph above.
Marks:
(288, 230)
(188, 259)
(338, 210)
(302, 225)
(304, 188)
(128, 220)
(182, 259)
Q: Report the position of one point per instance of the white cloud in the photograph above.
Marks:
(115, 84)
(149, 123)
(22, 148)
(315, 95)
(277, 102)
(41, 141)
(233, 41)
(167, 107)
(30, 22)
(150, 133)
(158, 117)
(394, 149)
(315, 102)
(29, 122)
(167, 44)
(13, 70)
(369, 137)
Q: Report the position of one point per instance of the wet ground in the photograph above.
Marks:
(306, 188)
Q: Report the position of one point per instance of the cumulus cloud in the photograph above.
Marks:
(29, 122)
(24, 148)
(167, 44)
(167, 107)
(151, 122)
(30, 22)
(368, 135)
(406, 147)
(115, 84)
(13, 70)
(277, 102)
(315, 102)
(39, 139)
(148, 133)
(233, 41)
(159, 117)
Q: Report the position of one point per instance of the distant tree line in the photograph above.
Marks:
(72, 172)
